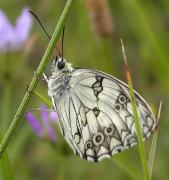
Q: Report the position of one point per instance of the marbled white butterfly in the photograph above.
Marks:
(95, 111)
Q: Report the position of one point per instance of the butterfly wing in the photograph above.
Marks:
(96, 115)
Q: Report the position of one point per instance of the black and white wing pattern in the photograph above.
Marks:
(96, 115)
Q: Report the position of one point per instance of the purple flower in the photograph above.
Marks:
(45, 129)
(12, 38)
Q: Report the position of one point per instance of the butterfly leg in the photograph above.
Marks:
(40, 109)
(45, 77)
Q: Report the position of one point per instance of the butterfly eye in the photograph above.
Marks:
(89, 145)
(122, 99)
(109, 130)
(61, 64)
(98, 138)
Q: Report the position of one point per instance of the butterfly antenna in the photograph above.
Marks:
(49, 37)
(63, 34)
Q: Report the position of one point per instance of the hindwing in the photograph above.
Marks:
(96, 115)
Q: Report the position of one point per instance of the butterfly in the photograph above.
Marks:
(95, 111)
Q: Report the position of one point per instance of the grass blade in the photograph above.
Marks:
(136, 119)
(153, 144)
(43, 99)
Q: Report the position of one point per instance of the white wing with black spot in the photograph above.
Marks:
(96, 115)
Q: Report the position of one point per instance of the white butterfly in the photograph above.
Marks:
(95, 111)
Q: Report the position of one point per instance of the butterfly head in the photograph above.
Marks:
(60, 64)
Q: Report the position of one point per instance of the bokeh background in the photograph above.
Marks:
(92, 40)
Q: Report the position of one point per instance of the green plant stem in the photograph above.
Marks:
(36, 78)
(136, 119)
(139, 134)
(43, 99)
(154, 143)
(5, 168)
(152, 152)
(6, 106)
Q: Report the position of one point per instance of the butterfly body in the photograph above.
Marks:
(58, 83)
(95, 111)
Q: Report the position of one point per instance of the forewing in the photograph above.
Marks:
(97, 117)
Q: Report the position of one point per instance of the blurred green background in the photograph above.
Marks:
(92, 40)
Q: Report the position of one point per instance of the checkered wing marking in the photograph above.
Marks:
(96, 115)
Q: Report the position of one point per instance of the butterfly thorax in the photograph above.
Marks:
(58, 83)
